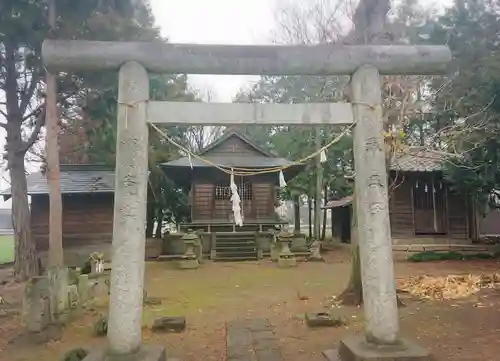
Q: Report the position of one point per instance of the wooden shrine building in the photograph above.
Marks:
(209, 187)
(87, 201)
(422, 207)
(209, 190)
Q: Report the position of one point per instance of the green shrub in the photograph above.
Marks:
(431, 256)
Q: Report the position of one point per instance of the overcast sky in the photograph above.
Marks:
(216, 22)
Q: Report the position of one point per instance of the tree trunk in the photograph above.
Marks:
(159, 226)
(309, 209)
(26, 263)
(353, 293)
(325, 199)
(56, 258)
(150, 220)
(296, 213)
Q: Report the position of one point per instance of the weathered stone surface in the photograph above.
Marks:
(145, 353)
(187, 263)
(83, 288)
(169, 324)
(129, 218)
(287, 262)
(357, 349)
(77, 354)
(101, 326)
(73, 297)
(323, 319)
(99, 284)
(250, 340)
(372, 208)
(36, 304)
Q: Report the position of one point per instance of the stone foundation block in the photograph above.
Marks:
(357, 349)
(188, 264)
(322, 319)
(146, 353)
(169, 324)
(287, 262)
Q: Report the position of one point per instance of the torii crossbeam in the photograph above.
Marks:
(364, 63)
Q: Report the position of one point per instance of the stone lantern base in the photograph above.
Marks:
(357, 349)
(146, 353)
(288, 262)
(188, 263)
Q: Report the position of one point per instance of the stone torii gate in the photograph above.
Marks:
(133, 60)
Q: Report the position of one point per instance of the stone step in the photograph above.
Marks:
(235, 259)
(233, 252)
(238, 246)
(235, 243)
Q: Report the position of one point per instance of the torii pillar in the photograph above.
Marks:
(364, 63)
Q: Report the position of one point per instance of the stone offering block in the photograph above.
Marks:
(323, 319)
(357, 349)
(146, 353)
(169, 324)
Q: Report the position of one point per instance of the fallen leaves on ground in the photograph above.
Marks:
(447, 287)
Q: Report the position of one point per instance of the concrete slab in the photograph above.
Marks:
(357, 349)
(146, 353)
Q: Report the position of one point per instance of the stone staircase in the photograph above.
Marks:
(235, 246)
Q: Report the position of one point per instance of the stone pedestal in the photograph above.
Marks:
(190, 258)
(287, 262)
(275, 251)
(286, 258)
(356, 348)
(146, 353)
(188, 263)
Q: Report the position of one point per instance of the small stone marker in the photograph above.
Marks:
(286, 258)
(315, 249)
(169, 324)
(83, 288)
(323, 319)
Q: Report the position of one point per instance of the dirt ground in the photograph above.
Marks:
(465, 330)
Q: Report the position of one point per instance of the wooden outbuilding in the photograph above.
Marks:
(422, 206)
(87, 201)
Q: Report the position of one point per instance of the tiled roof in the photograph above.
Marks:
(417, 159)
(74, 179)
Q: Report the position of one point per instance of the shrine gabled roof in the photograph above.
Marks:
(418, 159)
(75, 179)
(262, 158)
(232, 132)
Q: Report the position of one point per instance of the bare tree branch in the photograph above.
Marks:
(39, 123)
(27, 95)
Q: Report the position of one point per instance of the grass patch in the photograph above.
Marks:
(6, 249)
(431, 256)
